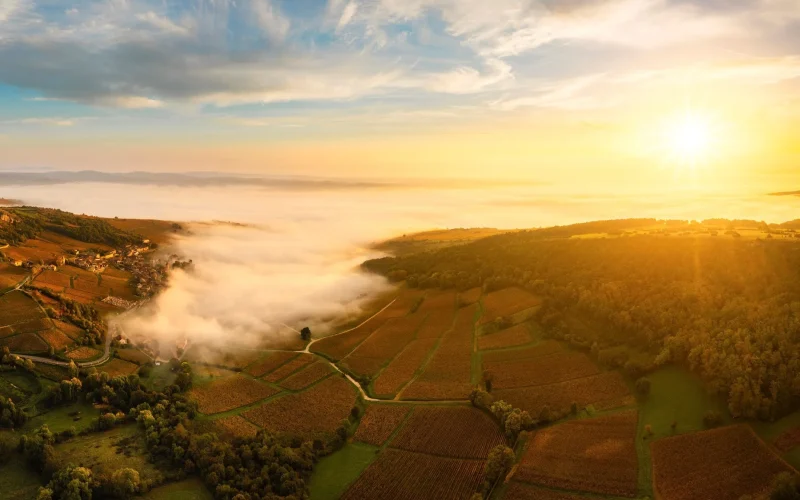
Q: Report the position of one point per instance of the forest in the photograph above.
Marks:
(727, 308)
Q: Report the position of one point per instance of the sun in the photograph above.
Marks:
(689, 138)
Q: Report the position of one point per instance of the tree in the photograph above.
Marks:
(500, 460)
(305, 333)
(643, 386)
(488, 377)
(73, 369)
(126, 482)
(72, 483)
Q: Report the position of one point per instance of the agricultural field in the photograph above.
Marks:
(507, 302)
(448, 374)
(133, 355)
(83, 353)
(318, 410)
(338, 346)
(449, 431)
(510, 337)
(596, 455)
(379, 423)
(24, 342)
(54, 280)
(441, 311)
(788, 440)
(236, 426)
(116, 367)
(289, 368)
(269, 362)
(522, 491)
(403, 475)
(56, 339)
(541, 370)
(229, 393)
(603, 391)
(383, 345)
(543, 348)
(403, 368)
(469, 297)
(17, 308)
(728, 462)
(233, 359)
(307, 376)
(11, 275)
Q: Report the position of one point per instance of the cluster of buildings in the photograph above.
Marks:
(148, 276)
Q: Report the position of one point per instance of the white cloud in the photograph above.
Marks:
(468, 80)
(270, 19)
(347, 15)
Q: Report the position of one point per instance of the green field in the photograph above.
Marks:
(334, 473)
(105, 452)
(17, 480)
(678, 396)
(59, 419)
(189, 489)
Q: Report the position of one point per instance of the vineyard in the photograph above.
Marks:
(269, 362)
(448, 374)
(788, 440)
(56, 339)
(543, 348)
(542, 370)
(25, 342)
(236, 426)
(594, 455)
(83, 352)
(384, 344)
(10, 275)
(289, 368)
(229, 393)
(307, 376)
(404, 366)
(506, 302)
(605, 391)
(452, 431)
(379, 422)
(521, 491)
(469, 297)
(319, 409)
(117, 367)
(402, 475)
(338, 346)
(510, 337)
(721, 463)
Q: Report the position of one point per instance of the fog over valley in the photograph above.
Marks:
(294, 259)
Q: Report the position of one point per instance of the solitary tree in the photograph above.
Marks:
(305, 333)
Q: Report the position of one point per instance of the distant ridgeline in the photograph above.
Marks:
(725, 305)
(20, 223)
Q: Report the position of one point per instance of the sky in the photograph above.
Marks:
(639, 94)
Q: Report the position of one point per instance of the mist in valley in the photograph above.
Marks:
(267, 260)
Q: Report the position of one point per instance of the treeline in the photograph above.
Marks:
(31, 222)
(729, 309)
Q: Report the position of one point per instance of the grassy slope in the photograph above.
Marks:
(334, 473)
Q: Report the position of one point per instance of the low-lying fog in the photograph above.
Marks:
(296, 261)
